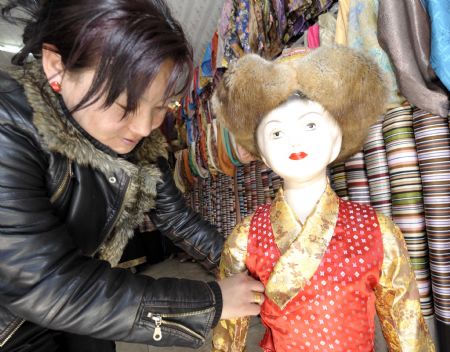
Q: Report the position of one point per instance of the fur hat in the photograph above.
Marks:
(345, 82)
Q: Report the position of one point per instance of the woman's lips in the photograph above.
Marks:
(298, 156)
(130, 141)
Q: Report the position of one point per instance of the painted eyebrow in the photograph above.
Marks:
(272, 121)
(298, 118)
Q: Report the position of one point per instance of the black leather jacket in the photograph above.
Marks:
(62, 205)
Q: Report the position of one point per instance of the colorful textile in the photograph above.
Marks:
(357, 182)
(265, 39)
(406, 190)
(280, 16)
(377, 170)
(362, 35)
(232, 29)
(300, 13)
(225, 163)
(342, 22)
(433, 150)
(313, 36)
(339, 180)
(404, 33)
(439, 14)
(344, 251)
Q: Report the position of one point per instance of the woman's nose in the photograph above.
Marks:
(141, 125)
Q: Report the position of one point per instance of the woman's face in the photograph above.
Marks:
(298, 140)
(108, 126)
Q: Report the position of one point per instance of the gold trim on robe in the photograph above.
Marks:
(300, 257)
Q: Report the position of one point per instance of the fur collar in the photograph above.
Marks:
(60, 136)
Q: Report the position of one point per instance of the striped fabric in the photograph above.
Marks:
(433, 150)
(377, 170)
(406, 189)
(339, 180)
(357, 182)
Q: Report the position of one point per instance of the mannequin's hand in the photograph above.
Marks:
(242, 296)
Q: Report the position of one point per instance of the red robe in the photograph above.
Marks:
(335, 310)
(324, 278)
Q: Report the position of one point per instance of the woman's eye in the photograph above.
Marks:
(277, 134)
(121, 106)
(311, 126)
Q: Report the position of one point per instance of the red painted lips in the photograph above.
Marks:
(298, 156)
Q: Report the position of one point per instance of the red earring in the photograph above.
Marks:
(56, 86)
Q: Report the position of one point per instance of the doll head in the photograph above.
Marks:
(345, 83)
(298, 139)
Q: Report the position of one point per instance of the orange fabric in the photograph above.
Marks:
(225, 163)
(214, 47)
(187, 168)
(335, 311)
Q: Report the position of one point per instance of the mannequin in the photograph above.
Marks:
(327, 264)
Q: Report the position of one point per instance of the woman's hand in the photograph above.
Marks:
(242, 296)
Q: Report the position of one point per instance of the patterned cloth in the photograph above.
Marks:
(337, 253)
(357, 182)
(339, 180)
(362, 35)
(377, 170)
(407, 197)
(433, 151)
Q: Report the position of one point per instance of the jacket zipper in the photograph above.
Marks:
(122, 205)
(65, 181)
(159, 321)
(14, 330)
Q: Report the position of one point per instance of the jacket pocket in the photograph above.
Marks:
(169, 328)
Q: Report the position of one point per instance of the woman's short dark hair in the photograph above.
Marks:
(126, 42)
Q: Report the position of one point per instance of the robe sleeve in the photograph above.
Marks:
(230, 334)
(397, 295)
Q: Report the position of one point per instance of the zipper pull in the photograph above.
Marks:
(157, 335)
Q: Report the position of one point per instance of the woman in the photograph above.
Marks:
(81, 162)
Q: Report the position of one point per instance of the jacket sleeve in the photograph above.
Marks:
(45, 279)
(182, 225)
(397, 296)
(230, 334)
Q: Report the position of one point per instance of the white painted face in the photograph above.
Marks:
(298, 140)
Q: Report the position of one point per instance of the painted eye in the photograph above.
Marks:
(277, 134)
(311, 126)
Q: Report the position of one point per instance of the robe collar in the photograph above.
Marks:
(302, 247)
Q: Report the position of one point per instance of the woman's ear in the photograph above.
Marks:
(52, 63)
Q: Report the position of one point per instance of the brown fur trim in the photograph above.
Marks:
(345, 82)
(60, 136)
